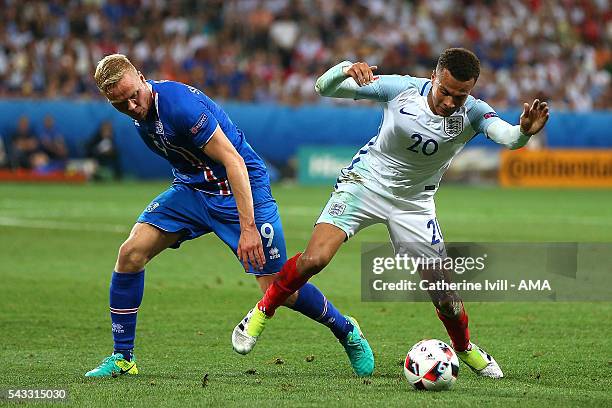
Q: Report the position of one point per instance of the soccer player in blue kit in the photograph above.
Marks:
(220, 185)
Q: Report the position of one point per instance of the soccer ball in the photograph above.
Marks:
(431, 365)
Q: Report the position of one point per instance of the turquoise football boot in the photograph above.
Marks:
(358, 350)
(113, 366)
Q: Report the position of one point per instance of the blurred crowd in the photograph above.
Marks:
(271, 51)
(43, 150)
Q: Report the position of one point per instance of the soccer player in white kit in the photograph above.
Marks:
(393, 178)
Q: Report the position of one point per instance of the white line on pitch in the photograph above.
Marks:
(62, 225)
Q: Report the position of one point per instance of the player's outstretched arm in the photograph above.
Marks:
(534, 117)
(532, 120)
(357, 81)
(334, 82)
(220, 149)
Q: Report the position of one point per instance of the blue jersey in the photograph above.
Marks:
(183, 121)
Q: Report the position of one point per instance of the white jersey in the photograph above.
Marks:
(393, 178)
(414, 146)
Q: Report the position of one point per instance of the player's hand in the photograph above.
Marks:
(534, 117)
(250, 249)
(361, 72)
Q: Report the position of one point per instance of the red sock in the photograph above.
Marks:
(286, 283)
(457, 329)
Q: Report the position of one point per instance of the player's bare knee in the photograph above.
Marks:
(448, 307)
(131, 258)
(291, 299)
(313, 263)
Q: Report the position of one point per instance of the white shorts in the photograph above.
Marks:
(412, 225)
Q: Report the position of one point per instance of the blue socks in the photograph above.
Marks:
(313, 304)
(126, 291)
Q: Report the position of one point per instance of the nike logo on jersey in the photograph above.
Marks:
(403, 112)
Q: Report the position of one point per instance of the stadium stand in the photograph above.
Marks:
(256, 51)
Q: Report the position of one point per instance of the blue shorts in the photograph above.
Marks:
(195, 213)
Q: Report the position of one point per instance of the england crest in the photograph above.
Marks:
(336, 209)
(453, 125)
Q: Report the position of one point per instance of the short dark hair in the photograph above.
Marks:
(463, 64)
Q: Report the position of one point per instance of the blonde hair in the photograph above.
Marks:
(111, 69)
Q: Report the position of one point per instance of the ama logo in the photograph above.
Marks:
(490, 115)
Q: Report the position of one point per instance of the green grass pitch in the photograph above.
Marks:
(58, 246)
